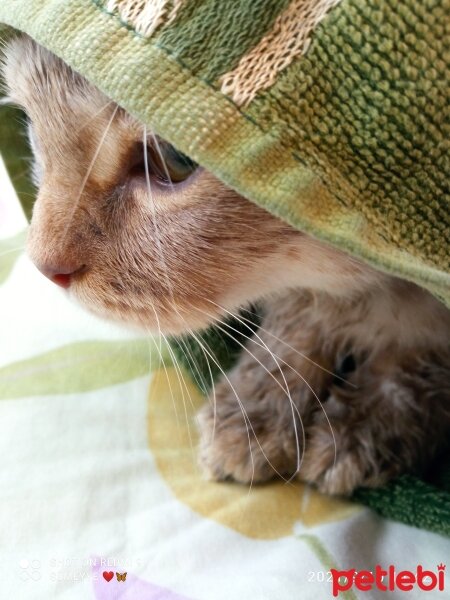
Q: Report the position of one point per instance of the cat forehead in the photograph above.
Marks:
(42, 83)
(70, 117)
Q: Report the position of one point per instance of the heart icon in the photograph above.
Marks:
(108, 575)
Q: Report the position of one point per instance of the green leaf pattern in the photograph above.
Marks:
(81, 367)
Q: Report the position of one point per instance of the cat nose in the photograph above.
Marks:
(60, 274)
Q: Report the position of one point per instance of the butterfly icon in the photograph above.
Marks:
(121, 576)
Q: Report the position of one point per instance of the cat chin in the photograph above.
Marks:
(163, 321)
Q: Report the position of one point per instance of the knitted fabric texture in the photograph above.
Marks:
(340, 126)
(288, 38)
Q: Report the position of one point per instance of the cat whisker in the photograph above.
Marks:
(202, 383)
(181, 380)
(309, 386)
(260, 328)
(188, 354)
(88, 172)
(28, 194)
(284, 388)
(154, 217)
(159, 350)
(213, 387)
(247, 422)
(202, 346)
(251, 338)
(168, 281)
(182, 384)
(94, 116)
(191, 360)
(185, 351)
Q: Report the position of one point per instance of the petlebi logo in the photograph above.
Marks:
(388, 579)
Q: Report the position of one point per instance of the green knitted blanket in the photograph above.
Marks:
(332, 114)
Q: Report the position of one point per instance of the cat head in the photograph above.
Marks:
(130, 227)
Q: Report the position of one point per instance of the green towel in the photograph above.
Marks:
(332, 114)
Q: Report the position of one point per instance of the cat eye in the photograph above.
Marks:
(165, 164)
